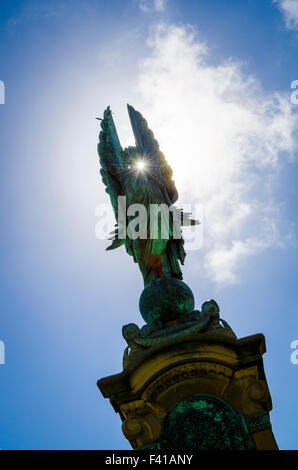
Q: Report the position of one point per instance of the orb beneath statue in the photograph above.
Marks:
(165, 300)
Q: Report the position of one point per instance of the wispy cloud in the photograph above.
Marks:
(226, 139)
(290, 10)
(152, 5)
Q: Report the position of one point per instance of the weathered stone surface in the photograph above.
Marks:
(210, 370)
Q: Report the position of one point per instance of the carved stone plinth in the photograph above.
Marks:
(204, 391)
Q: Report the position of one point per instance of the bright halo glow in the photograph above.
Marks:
(140, 164)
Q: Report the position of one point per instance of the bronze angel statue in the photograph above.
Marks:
(143, 176)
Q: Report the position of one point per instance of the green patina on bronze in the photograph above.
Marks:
(157, 258)
(165, 298)
(203, 422)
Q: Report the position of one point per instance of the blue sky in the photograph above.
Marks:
(213, 79)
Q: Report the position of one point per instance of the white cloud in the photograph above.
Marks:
(225, 138)
(290, 10)
(223, 261)
(152, 5)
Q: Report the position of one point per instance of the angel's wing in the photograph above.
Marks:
(114, 163)
(113, 166)
(147, 146)
(111, 158)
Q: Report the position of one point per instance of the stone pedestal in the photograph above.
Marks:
(195, 392)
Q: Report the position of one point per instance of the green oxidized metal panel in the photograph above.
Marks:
(203, 422)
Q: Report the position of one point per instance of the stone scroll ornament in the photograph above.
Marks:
(141, 175)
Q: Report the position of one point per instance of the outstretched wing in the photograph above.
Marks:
(148, 147)
(111, 158)
(113, 165)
